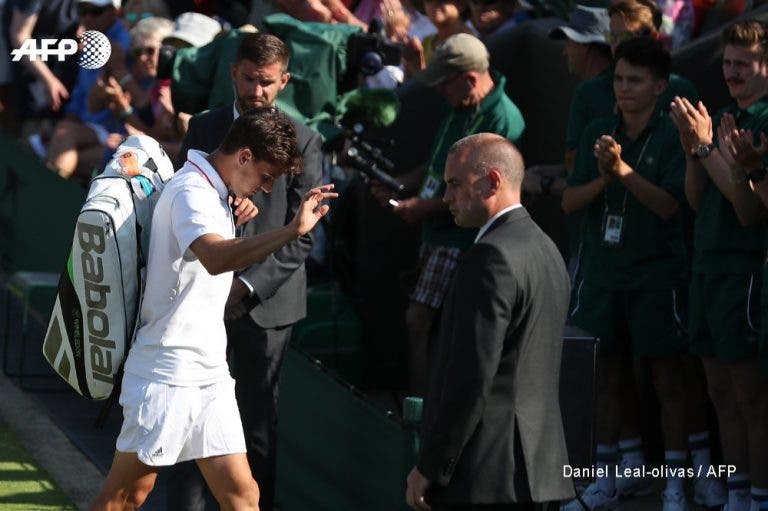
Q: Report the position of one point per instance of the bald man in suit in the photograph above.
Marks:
(492, 431)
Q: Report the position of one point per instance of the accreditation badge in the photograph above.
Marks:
(613, 229)
(429, 188)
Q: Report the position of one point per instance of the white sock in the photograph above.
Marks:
(701, 456)
(606, 459)
(676, 460)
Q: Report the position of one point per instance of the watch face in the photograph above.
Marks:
(703, 150)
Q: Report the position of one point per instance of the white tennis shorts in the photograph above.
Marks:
(165, 424)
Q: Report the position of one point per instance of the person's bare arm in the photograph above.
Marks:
(219, 255)
(579, 197)
(695, 182)
(695, 127)
(660, 202)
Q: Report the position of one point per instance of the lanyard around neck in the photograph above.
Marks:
(637, 164)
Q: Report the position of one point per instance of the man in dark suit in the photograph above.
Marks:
(268, 298)
(492, 432)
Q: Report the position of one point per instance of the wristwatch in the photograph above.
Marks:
(757, 175)
(546, 184)
(703, 150)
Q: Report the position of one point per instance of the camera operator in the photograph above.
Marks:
(460, 72)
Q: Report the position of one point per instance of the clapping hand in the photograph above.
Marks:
(745, 152)
(608, 154)
(694, 123)
(725, 132)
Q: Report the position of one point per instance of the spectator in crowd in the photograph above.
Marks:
(676, 22)
(266, 299)
(192, 29)
(176, 377)
(585, 49)
(491, 17)
(144, 105)
(43, 87)
(492, 432)
(628, 178)
(588, 55)
(460, 72)
(136, 10)
(729, 251)
(448, 18)
(78, 142)
(633, 18)
(595, 98)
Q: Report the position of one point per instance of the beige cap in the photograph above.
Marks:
(459, 53)
(194, 29)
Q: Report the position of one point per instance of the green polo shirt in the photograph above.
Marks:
(652, 254)
(720, 243)
(495, 114)
(595, 98)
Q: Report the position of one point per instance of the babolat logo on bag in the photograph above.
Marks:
(97, 303)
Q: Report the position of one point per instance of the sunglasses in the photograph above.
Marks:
(86, 10)
(146, 50)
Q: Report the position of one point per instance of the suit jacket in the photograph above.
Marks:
(280, 282)
(492, 430)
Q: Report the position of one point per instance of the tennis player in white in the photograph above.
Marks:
(177, 396)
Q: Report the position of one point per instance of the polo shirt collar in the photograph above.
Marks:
(200, 163)
(493, 97)
(758, 106)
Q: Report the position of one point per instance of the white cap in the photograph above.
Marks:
(195, 29)
(101, 3)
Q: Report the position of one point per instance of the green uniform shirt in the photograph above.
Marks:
(593, 99)
(652, 254)
(720, 243)
(495, 114)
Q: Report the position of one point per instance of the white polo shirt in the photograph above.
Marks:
(181, 338)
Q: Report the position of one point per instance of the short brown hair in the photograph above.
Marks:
(269, 135)
(643, 12)
(263, 49)
(748, 33)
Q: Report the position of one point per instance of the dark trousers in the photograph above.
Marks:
(256, 356)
